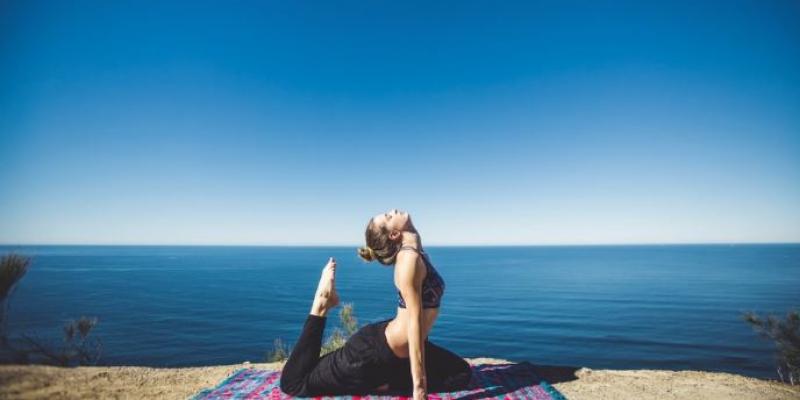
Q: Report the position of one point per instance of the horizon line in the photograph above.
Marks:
(431, 245)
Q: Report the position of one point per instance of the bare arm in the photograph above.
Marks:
(410, 284)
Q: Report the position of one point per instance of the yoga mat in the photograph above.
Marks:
(489, 381)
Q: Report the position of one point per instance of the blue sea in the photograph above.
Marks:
(621, 307)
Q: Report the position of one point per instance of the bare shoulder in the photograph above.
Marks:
(405, 268)
(406, 255)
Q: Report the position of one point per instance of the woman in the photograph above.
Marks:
(393, 354)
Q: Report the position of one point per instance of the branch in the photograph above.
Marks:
(58, 358)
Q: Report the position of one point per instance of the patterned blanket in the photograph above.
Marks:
(489, 381)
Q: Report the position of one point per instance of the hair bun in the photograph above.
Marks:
(366, 253)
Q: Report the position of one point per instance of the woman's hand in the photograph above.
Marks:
(420, 393)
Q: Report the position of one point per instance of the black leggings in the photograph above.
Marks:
(363, 364)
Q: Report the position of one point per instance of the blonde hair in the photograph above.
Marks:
(379, 247)
(366, 253)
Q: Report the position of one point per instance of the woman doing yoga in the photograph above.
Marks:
(394, 354)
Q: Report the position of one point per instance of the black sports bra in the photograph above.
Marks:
(432, 286)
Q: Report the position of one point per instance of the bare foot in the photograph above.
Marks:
(326, 297)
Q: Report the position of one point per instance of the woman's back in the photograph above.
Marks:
(397, 329)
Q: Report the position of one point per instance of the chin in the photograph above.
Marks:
(410, 226)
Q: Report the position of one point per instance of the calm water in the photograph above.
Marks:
(624, 307)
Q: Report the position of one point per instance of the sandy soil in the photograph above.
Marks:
(43, 382)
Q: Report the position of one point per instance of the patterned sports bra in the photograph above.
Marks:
(432, 286)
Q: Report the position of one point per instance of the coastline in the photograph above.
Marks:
(102, 382)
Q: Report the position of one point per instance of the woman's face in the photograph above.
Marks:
(393, 220)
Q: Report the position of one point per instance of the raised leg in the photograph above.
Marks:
(305, 353)
(351, 369)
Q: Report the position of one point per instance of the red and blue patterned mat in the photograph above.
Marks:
(489, 381)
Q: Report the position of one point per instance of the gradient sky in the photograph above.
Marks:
(490, 122)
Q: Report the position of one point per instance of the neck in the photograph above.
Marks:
(411, 239)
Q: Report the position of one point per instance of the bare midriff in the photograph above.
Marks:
(397, 329)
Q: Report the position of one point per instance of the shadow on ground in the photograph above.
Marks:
(497, 380)
(555, 373)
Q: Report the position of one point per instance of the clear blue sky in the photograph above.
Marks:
(491, 122)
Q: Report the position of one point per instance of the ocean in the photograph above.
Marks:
(620, 307)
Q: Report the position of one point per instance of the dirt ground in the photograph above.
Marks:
(43, 382)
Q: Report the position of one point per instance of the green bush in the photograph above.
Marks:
(279, 352)
(12, 268)
(76, 348)
(786, 335)
(337, 339)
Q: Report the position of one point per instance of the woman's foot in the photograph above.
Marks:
(326, 297)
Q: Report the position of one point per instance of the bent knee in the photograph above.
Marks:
(291, 387)
(462, 368)
(461, 377)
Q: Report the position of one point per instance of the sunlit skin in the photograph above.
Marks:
(409, 273)
(402, 228)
